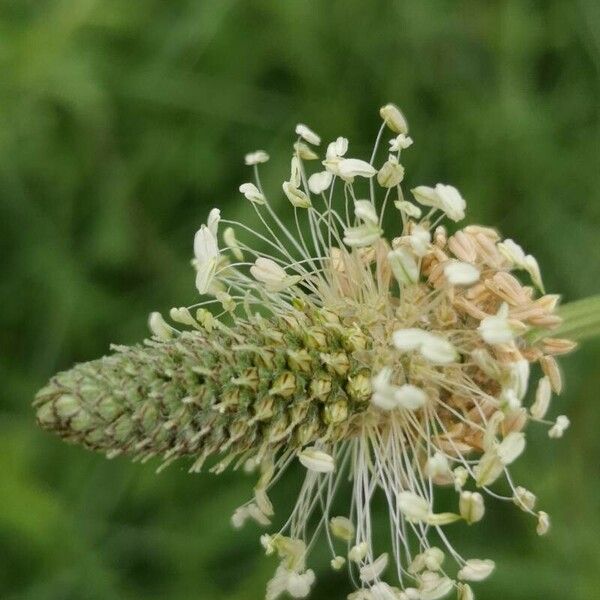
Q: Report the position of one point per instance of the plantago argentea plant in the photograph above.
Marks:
(388, 367)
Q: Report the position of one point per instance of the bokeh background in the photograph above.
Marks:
(122, 123)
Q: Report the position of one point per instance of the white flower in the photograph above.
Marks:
(404, 266)
(513, 252)
(518, 377)
(316, 460)
(524, 499)
(438, 350)
(389, 397)
(419, 240)
(349, 168)
(206, 251)
(394, 118)
(305, 152)
(401, 142)
(249, 511)
(518, 259)
(461, 273)
(295, 172)
(511, 447)
(382, 591)
(252, 193)
(543, 395)
(274, 277)
(296, 196)
(319, 182)
(361, 236)
(358, 552)
(432, 347)
(438, 469)
(543, 524)
(308, 134)
(232, 243)
(476, 570)
(497, 329)
(159, 328)
(391, 173)
(408, 208)
(255, 158)
(434, 587)
(214, 216)
(443, 197)
(559, 428)
(465, 592)
(296, 584)
(365, 211)
(337, 563)
(472, 507)
(373, 570)
(342, 528)
(488, 469)
(413, 507)
(337, 148)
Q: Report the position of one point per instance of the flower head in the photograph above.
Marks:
(399, 363)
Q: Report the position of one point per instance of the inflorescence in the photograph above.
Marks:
(387, 366)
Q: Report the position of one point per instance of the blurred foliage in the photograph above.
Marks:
(122, 123)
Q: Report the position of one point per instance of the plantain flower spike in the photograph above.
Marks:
(385, 367)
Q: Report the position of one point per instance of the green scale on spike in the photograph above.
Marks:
(240, 394)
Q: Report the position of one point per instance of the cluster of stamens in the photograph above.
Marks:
(395, 364)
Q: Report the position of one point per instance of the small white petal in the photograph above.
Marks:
(337, 148)
(524, 499)
(361, 236)
(404, 266)
(159, 327)
(373, 570)
(391, 173)
(435, 588)
(438, 350)
(543, 524)
(213, 221)
(413, 507)
(472, 507)
(295, 195)
(393, 118)
(252, 193)
(489, 468)
(400, 142)
(496, 329)
(559, 428)
(205, 245)
(319, 182)
(409, 339)
(512, 252)
(342, 528)
(308, 134)
(410, 397)
(358, 552)
(354, 167)
(255, 158)
(476, 570)
(419, 240)
(232, 243)
(461, 273)
(511, 447)
(365, 211)
(408, 208)
(316, 460)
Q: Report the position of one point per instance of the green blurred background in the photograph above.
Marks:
(123, 122)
